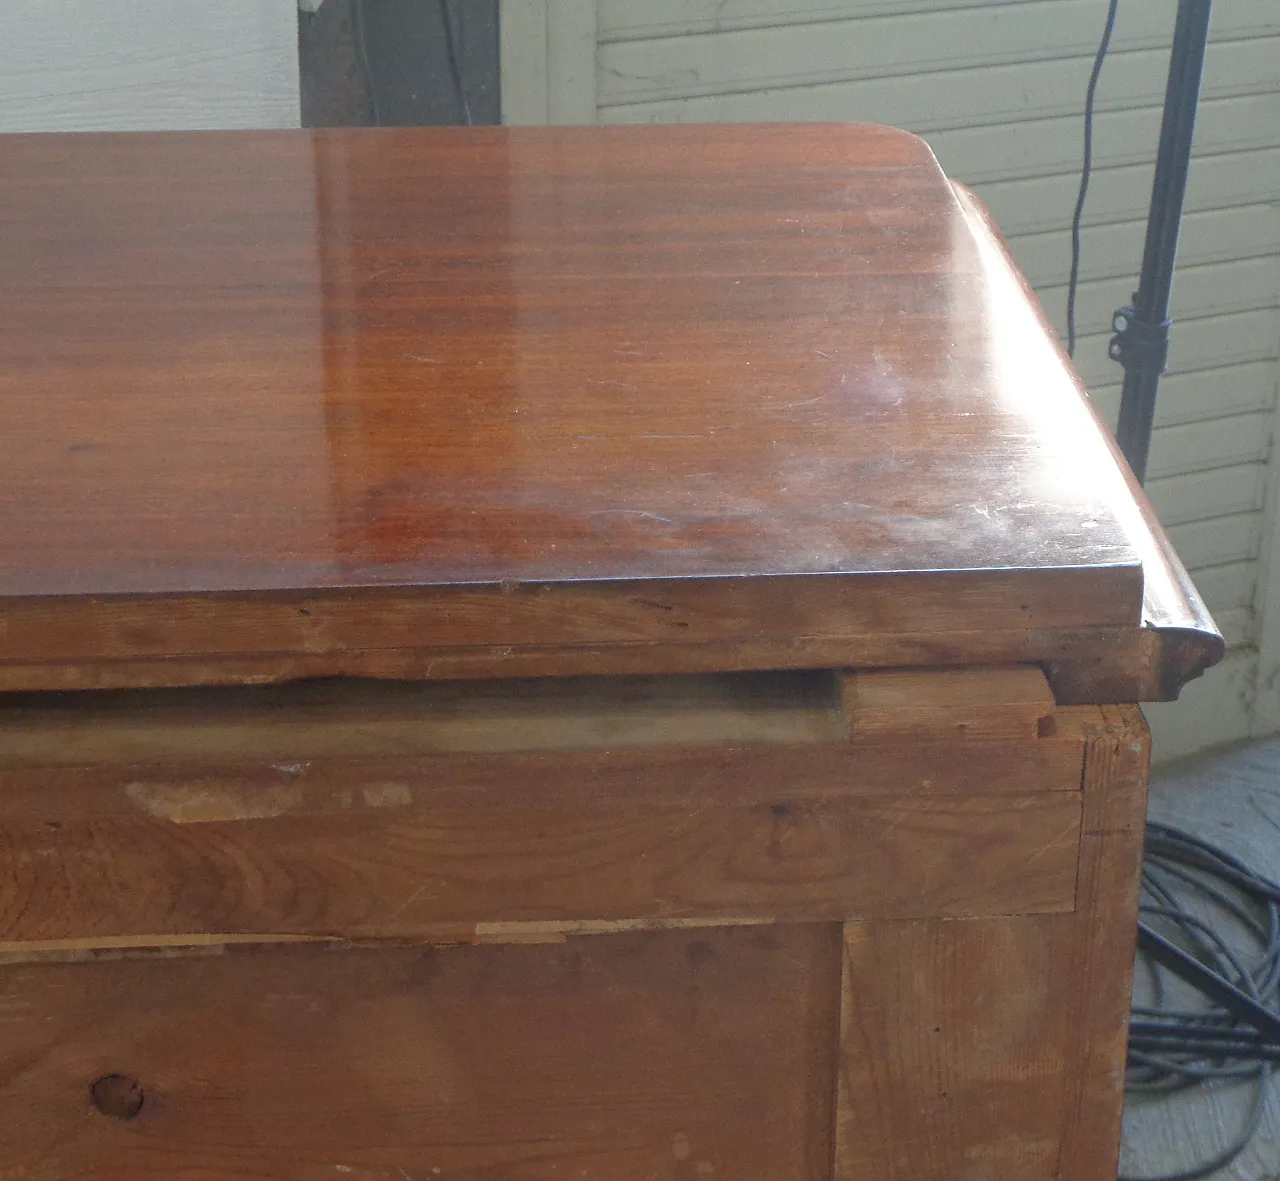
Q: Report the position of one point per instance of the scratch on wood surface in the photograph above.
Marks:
(408, 902)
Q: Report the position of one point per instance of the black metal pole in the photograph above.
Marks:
(1141, 343)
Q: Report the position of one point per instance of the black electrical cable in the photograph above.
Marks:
(1192, 891)
(362, 52)
(455, 70)
(1085, 171)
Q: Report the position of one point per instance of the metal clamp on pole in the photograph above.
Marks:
(1138, 344)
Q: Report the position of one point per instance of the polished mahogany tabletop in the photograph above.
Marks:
(269, 400)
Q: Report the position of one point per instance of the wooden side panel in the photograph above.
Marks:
(1117, 756)
(953, 1055)
(994, 1048)
(665, 1057)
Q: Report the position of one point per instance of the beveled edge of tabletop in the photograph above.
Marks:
(1179, 639)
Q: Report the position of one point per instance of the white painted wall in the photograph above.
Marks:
(131, 65)
(997, 88)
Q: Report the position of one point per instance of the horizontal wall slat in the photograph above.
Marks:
(1200, 446)
(1205, 291)
(999, 94)
(1047, 146)
(1195, 397)
(1198, 496)
(1031, 204)
(1219, 541)
(1227, 588)
(1248, 236)
(627, 20)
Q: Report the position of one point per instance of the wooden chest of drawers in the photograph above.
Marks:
(581, 653)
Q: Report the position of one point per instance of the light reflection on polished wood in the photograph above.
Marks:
(463, 402)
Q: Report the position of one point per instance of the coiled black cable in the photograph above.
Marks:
(1191, 891)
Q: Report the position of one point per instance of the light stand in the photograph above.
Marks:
(1141, 343)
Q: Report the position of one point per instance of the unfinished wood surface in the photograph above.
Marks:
(993, 1048)
(953, 1059)
(681, 1055)
(388, 866)
(1008, 703)
(352, 719)
(283, 780)
(724, 737)
(427, 811)
(534, 401)
(1117, 759)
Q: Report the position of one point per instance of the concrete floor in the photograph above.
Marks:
(1232, 799)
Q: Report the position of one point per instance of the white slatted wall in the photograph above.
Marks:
(997, 89)
(135, 65)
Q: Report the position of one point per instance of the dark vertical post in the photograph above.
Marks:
(1141, 343)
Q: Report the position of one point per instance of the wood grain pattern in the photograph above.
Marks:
(995, 1047)
(428, 811)
(451, 740)
(388, 868)
(964, 703)
(580, 394)
(1117, 759)
(1180, 635)
(683, 1055)
(954, 1050)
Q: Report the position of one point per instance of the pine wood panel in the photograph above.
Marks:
(674, 1055)
(1117, 759)
(385, 867)
(953, 1050)
(997, 703)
